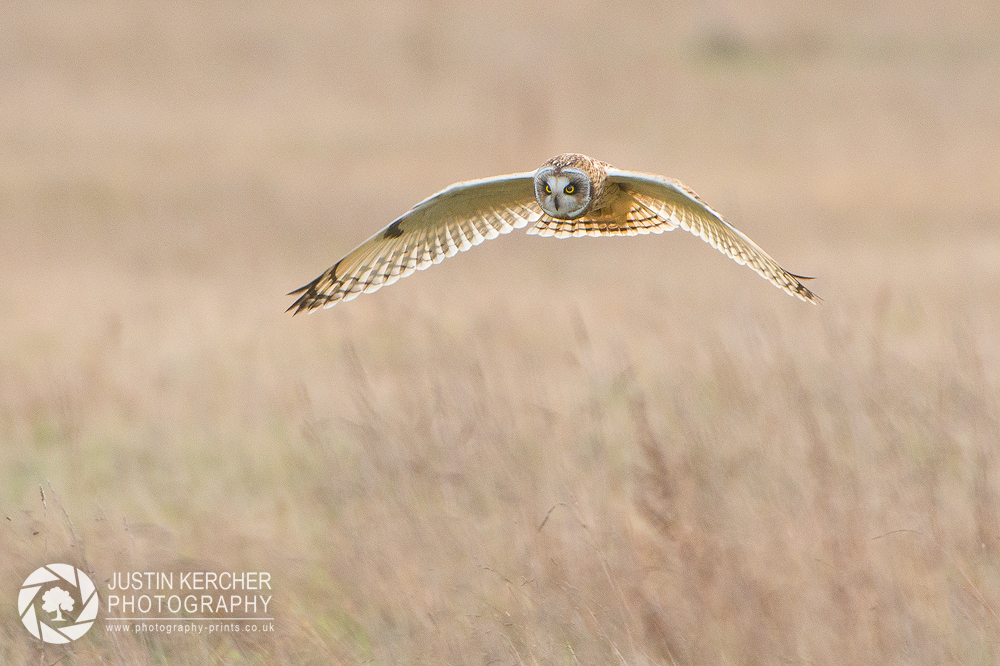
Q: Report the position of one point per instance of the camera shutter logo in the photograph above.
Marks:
(48, 599)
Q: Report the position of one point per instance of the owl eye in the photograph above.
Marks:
(569, 189)
(548, 190)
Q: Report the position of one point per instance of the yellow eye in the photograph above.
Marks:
(569, 189)
(548, 190)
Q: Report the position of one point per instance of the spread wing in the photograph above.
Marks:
(452, 221)
(647, 203)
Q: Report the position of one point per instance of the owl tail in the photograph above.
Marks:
(587, 226)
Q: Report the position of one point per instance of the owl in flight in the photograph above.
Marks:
(570, 195)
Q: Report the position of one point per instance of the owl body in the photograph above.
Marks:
(569, 195)
(597, 207)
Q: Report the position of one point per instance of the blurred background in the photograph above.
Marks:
(625, 450)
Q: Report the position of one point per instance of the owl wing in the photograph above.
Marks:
(661, 204)
(451, 221)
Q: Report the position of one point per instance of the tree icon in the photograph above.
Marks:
(56, 601)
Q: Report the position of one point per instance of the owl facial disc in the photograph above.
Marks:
(563, 194)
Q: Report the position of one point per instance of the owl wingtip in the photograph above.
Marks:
(304, 302)
(311, 297)
(806, 294)
(298, 306)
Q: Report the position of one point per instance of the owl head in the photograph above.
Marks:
(563, 192)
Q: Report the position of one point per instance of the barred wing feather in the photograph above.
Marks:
(451, 221)
(675, 205)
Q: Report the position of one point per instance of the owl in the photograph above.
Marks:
(570, 195)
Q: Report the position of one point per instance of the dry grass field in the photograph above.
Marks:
(597, 451)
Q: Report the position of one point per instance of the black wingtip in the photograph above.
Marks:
(307, 303)
(805, 293)
(297, 306)
(813, 297)
(306, 300)
(311, 298)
